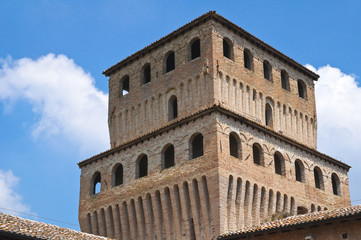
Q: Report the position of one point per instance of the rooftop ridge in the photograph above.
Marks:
(34, 229)
(205, 17)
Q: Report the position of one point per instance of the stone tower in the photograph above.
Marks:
(211, 130)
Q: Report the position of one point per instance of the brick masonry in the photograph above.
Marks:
(216, 96)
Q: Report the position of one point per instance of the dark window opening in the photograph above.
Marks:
(269, 115)
(344, 236)
(172, 108)
(146, 74)
(284, 80)
(257, 154)
(301, 210)
(267, 70)
(118, 175)
(278, 164)
(96, 185)
(298, 172)
(233, 146)
(196, 49)
(197, 146)
(169, 157)
(301, 89)
(247, 56)
(143, 167)
(125, 86)
(316, 173)
(226, 49)
(335, 184)
(170, 62)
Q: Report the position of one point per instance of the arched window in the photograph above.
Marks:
(195, 49)
(269, 115)
(234, 146)
(172, 108)
(301, 89)
(285, 80)
(267, 70)
(170, 62)
(248, 59)
(168, 156)
(95, 186)
(142, 166)
(146, 74)
(336, 186)
(313, 207)
(227, 48)
(300, 171)
(257, 154)
(124, 86)
(279, 163)
(196, 146)
(318, 178)
(118, 175)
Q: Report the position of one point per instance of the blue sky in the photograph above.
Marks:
(53, 96)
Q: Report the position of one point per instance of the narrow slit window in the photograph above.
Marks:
(336, 187)
(267, 70)
(142, 167)
(318, 177)
(227, 48)
(284, 80)
(301, 89)
(118, 175)
(233, 145)
(195, 49)
(96, 183)
(146, 74)
(279, 163)
(257, 154)
(172, 108)
(197, 146)
(125, 86)
(248, 59)
(168, 157)
(269, 115)
(170, 62)
(300, 171)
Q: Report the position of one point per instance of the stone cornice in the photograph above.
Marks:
(222, 110)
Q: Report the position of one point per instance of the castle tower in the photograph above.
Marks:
(211, 130)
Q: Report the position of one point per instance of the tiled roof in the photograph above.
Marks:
(294, 221)
(205, 17)
(25, 228)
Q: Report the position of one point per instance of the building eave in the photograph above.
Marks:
(202, 19)
(220, 109)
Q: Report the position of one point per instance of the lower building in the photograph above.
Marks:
(17, 228)
(342, 223)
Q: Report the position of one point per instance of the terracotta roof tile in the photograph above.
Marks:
(293, 221)
(38, 230)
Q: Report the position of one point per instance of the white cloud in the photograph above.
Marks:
(62, 94)
(338, 102)
(9, 199)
